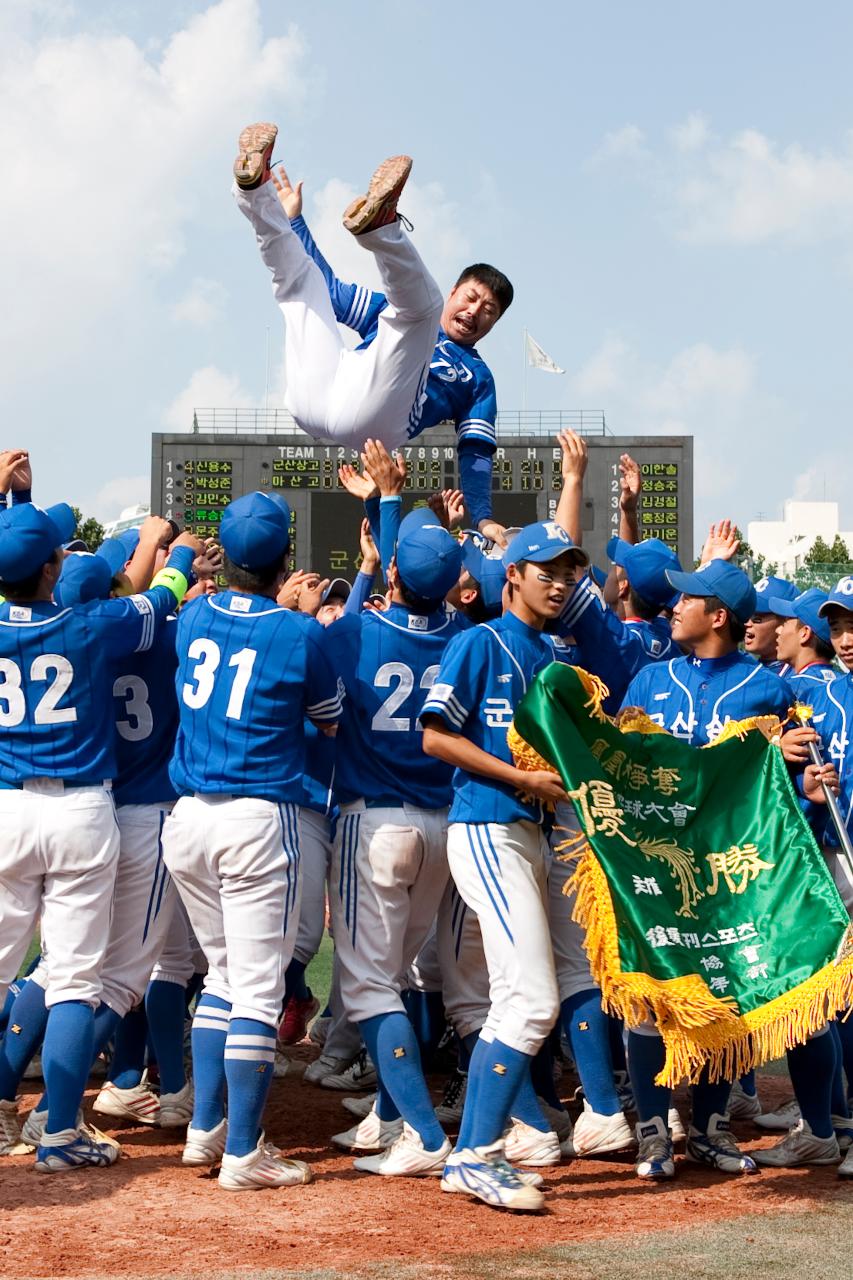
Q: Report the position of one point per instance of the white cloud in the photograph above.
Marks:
(692, 133)
(202, 305)
(115, 495)
(208, 388)
(625, 142)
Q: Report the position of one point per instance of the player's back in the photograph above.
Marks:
(248, 671)
(146, 721)
(55, 696)
(388, 662)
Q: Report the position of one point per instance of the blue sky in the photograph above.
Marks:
(669, 186)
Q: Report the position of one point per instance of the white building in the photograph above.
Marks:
(130, 518)
(787, 542)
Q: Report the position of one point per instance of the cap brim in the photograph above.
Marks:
(784, 608)
(689, 584)
(337, 587)
(834, 603)
(556, 552)
(617, 549)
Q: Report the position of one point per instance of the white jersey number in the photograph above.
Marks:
(205, 672)
(140, 722)
(385, 721)
(13, 707)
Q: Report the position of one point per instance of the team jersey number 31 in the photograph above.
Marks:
(204, 676)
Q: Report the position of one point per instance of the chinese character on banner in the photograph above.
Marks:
(599, 810)
(613, 764)
(666, 781)
(756, 971)
(635, 776)
(598, 748)
(736, 867)
(646, 884)
(656, 936)
(718, 984)
(711, 962)
(680, 811)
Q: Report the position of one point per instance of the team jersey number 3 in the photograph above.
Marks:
(13, 700)
(204, 676)
(400, 679)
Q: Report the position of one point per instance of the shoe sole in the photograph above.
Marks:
(606, 1148)
(795, 1164)
(227, 1185)
(174, 1120)
(535, 1199)
(206, 1158)
(131, 1117)
(255, 143)
(385, 187)
(347, 1086)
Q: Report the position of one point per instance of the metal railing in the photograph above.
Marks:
(511, 422)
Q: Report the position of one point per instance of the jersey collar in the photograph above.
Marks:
(711, 666)
(510, 622)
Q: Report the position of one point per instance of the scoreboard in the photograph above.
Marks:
(194, 477)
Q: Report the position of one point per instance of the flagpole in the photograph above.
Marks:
(523, 372)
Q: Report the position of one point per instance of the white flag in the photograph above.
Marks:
(538, 358)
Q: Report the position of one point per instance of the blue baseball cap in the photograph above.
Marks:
(29, 535)
(841, 595)
(130, 540)
(541, 542)
(83, 577)
(429, 560)
(255, 530)
(599, 576)
(768, 589)
(114, 551)
(806, 609)
(718, 578)
(645, 565)
(488, 573)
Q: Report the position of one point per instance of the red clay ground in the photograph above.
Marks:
(149, 1216)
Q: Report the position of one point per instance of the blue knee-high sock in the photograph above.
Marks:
(107, 1023)
(294, 981)
(616, 1028)
(496, 1071)
(588, 1029)
(66, 1060)
(839, 1105)
(467, 1045)
(646, 1056)
(249, 1061)
(210, 1028)
(425, 1010)
(542, 1075)
(747, 1083)
(128, 1061)
(525, 1105)
(709, 1099)
(393, 1048)
(811, 1067)
(15, 989)
(165, 1010)
(24, 1034)
(192, 989)
(845, 1035)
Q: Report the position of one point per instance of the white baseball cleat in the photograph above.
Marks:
(325, 1065)
(319, 1030)
(595, 1134)
(138, 1103)
(742, 1105)
(176, 1109)
(484, 1174)
(798, 1147)
(676, 1126)
(525, 1145)
(406, 1158)
(263, 1167)
(78, 1149)
(559, 1120)
(845, 1169)
(36, 1123)
(12, 1140)
(783, 1119)
(361, 1107)
(843, 1128)
(654, 1157)
(370, 1134)
(361, 1075)
(205, 1146)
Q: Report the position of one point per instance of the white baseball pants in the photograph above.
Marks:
(501, 872)
(180, 956)
(334, 393)
(567, 937)
(389, 869)
(58, 856)
(235, 862)
(464, 973)
(315, 859)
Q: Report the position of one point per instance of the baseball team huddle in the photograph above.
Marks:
(205, 757)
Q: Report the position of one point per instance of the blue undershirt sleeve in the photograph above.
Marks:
(475, 477)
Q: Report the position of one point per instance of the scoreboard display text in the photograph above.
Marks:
(194, 477)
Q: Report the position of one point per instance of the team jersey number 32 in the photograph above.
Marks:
(52, 667)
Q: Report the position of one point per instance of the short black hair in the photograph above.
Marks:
(822, 649)
(253, 581)
(492, 279)
(26, 588)
(737, 629)
(416, 603)
(640, 607)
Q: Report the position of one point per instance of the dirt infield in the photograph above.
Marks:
(148, 1216)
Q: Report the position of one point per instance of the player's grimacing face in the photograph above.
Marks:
(470, 312)
(544, 588)
(841, 634)
(760, 638)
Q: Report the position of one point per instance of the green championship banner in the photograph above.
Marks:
(707, 903)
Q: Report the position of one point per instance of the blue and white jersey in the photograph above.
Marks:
(388, 663)
(460, 387)
(483, 677)
(694, 698)
(56, 691)
(318, 783)
(146, 721)
(655, 636)
(781, 669)
(816, 673)
(832, 717)
(248, 673)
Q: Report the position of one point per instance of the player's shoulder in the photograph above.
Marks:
(826, 694)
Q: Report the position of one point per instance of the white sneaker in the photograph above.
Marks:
(263, 1167)
(12, 1141)
(325, 1065)
(360, 1107)
(138, 1103)
(800, 1146)
(676, 1127)
(482, 1173)
(654, 1157)
(78, 1149)
(845, 1169)
(743, 1106)
(843, 1131)
(406, 1158)
(559, 1120)
(319, 1030)
(205, 1146)
(783, 1119)
(449, 1111)
(176, 1109)
(595, 1133)
(361, 1075)
(370, 1134)
(36, 1123)
(718, 1149)
(525, 1145)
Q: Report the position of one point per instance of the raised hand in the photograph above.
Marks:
(575, 456)
(11, 462)
(722, 542)
(369, 554)
(630, 483)
(360, 486)
(388, 472)
(290, 196)
(288, 596)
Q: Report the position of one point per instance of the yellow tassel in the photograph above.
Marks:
(768, 725)
(636, 720)
(524, 756)
(596, 691)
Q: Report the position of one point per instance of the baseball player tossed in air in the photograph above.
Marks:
(389, 866)
(417, 365)
(248, 672)
(61, 842)
(498, 853)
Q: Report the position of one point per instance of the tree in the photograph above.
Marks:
(821, 552)
(838, 553)
(89, 530)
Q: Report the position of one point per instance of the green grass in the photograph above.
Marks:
(318, 975)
